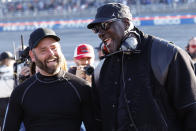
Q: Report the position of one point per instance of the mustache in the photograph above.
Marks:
(52, 57)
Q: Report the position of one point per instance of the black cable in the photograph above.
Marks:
(125, 96)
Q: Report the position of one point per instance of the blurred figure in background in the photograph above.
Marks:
(84, 58)
(191, 49)
(22, 60)
(6, 81)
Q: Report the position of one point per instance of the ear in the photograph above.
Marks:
(126, 23)
(31, 54)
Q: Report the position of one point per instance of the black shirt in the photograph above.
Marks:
(50, 103)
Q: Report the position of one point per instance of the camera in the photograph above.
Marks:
(24, 56)
(89, 69)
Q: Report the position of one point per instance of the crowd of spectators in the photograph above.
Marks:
(18, 6)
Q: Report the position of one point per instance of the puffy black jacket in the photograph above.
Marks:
(160, 88)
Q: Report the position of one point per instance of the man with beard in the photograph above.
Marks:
(144, 83)
(191, 49)
(51, 100)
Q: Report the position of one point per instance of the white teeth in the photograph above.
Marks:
(106, 40)
(52, 60)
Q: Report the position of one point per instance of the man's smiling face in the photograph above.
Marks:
(47, 56)
(111, 33)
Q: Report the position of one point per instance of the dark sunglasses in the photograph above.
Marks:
(193, 46)
(104, 26)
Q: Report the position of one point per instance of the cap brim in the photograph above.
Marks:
(50, 36)
(99, 20)
(84, 56)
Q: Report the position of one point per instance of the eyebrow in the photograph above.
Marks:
(42, 48)
(55, 44)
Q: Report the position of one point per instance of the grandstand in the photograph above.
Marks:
(54, 9)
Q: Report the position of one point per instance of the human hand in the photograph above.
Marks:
(25, 71)
(80, 72)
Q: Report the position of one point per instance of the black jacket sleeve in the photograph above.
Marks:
(181, 86)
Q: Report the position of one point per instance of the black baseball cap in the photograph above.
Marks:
(39, 34)
(109, 12)
(6, 55)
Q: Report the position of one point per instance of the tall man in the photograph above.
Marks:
(144, 83)
(51, 100)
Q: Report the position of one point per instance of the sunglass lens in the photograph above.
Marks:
(193, 46)
(105, 26)
(95, 29)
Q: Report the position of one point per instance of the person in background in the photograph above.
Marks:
(144, 83)
(52, 99)
(84, 58)
(100, 51)
(191, 49)
(6, 81)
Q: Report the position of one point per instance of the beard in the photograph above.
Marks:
(48, 69)
(193, 55)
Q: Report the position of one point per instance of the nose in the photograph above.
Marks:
(101, 33)
(87, 62)
(84, 62)
(50, 52)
